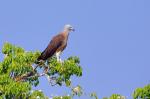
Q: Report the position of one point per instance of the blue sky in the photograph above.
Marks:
(111, 39)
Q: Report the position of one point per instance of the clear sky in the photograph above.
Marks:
(112, 39)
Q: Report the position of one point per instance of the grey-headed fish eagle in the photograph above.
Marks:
(57, 44)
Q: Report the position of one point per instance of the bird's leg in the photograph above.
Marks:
(60, 60)
(58, 57)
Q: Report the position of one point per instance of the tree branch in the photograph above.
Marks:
(32, 73)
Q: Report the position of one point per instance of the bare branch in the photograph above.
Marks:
(32, 73)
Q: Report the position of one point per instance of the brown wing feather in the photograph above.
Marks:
(52, 47)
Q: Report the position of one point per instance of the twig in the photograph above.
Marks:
(50, 79)
(31, 73)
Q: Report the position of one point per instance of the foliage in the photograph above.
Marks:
(37, 94)
(77, 90)
(18, 73)
(94, 95)
(142, 93)
(62, 97)
(63, 71)
(139, 93)
(115, 96)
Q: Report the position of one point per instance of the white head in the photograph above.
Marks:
(68, 28)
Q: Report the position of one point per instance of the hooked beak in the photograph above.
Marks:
(73, 29)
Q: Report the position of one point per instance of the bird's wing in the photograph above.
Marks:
(52, 47)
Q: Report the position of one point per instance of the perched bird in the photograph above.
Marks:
(57, 44)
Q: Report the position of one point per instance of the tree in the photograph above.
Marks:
(139, 93)
(18, 73)
(115, 96)
(142, 93)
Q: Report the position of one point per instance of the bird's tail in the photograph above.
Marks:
(38, 61)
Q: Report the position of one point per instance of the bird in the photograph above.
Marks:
(57, 44)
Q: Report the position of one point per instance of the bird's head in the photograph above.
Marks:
(68, 28)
